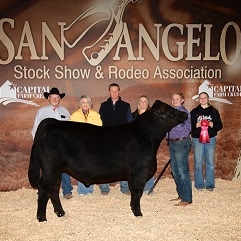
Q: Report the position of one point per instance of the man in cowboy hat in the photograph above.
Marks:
(53, 110)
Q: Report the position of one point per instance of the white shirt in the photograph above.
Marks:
(60, 113)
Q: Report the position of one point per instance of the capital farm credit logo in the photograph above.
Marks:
(219, 92)
(12, 93)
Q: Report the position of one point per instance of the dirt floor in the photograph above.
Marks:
(212, 216)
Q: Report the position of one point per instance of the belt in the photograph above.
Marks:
(177, 139)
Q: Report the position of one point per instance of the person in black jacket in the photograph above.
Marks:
(206, 122)
(143, 106)
(114, 112)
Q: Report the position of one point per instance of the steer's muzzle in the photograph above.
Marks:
(182, 117)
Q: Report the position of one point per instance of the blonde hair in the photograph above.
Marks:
(88, 99)
(148, 106)
(180, 94)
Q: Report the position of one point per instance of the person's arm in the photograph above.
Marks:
(98, 119)
(129, 116)
(75, 117)
(37, 120)
(217, 123)
(186, 126)
(101, 112)
(193, 120)
(183, 129)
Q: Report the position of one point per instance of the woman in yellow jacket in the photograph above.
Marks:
(87, 115)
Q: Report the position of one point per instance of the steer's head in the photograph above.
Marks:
(165, 111)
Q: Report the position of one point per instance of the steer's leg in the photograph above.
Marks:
(43, 197)
(54, 197)
(136, 193)
(135, 202)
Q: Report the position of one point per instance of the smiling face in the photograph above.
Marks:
(54, 100)
(114, 93)
(203, 99)
(85, 104)
(177, 100)
(143, 104)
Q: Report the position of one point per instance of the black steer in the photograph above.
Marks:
(94, 154)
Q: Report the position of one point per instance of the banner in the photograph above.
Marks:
(150, 47)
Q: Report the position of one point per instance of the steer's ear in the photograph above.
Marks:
(158, 107)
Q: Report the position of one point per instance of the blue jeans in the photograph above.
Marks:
(82, 189)
(66, 184)
(204, 151)
(179, 152)
(123, 187)
(149, 184)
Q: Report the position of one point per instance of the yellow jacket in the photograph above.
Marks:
(92, 118)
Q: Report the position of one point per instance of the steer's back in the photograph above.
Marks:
(94, 152)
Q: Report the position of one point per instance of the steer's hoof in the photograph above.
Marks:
(137, 213)
(41, 219)
(60, 214)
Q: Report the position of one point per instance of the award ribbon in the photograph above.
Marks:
(204, 137)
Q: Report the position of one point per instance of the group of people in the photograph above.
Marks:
(112, 112)
(199, 131)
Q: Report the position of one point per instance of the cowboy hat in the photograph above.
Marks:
(53, 91)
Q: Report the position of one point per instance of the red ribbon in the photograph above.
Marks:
(204, 137)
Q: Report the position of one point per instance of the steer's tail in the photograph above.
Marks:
(33, 170)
